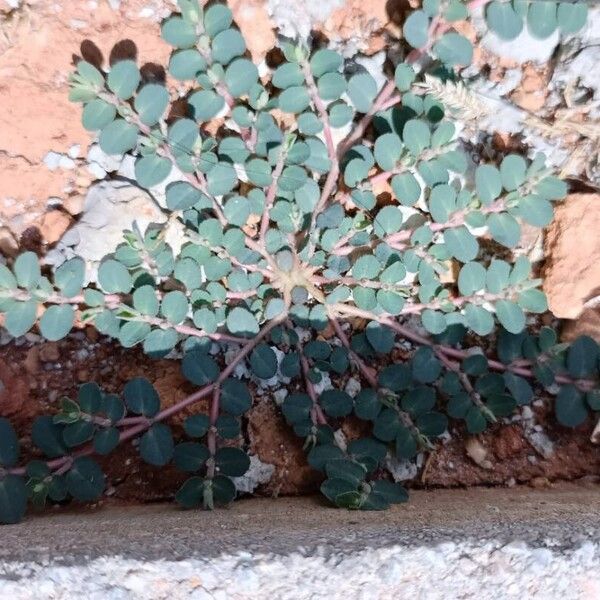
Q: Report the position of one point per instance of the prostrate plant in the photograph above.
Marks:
(285, 238)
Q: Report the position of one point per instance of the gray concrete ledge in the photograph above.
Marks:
(483, 543)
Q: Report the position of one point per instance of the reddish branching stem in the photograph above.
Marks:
(448, 351)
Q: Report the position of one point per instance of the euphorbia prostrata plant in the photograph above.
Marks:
(295, 267)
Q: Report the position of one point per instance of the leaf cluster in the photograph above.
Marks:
(287, 240)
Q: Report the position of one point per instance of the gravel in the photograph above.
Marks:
(448, 570)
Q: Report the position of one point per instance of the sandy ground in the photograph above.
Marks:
(568, 513)
(478, 543)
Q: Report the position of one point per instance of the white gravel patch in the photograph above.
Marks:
(484, 570)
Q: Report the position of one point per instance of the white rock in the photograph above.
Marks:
(374, 66)
(66, 163)
(525, 48)
(52, 160)
(583, 68)
(146, 13)
(352, 387)
(296, 18)
(401, 470)
(279, 396)
(324, 384)
(74, 151)
(109, 209)
(107, 162)
(258, 473)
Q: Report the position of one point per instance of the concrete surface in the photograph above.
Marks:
(483, 543)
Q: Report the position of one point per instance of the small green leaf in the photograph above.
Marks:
(191, 493)
(570, 406)
(57, 321)
(159, 342)
(174, 307)
(334, 487)
(362, 90)
(186, 64)
(197, 426)
(471, 278)
(454, 49)
(388, 148)
(503, 20)
(533, 300)
(336, 403)
(114, 277)
(69, 277)
(13, 499)
(228, 44)
(416, 29)
(571, 16)
(416, 136)
(181, 195)
(178, 32)
(156, 445)
(504, 229)
(9, 444)
(426, 368)
(519, 388)
(205, 105)
(331, 86)
(535, 210)
(152, 170)
(241, 321)
(199, 368)
(582, 357)
(513, 170)
(367, 404)
(27, 270)
(510, 315)
(20, 317)
(461, 243)
(541, 19)
(217, 18)
(294, 99)
(388, 220)
(406, 188)
(287, 75)
(404, 77)
(366, 267)
(124, 78)
(232, 461)
(190, 456)
(380, 337)
(106, 440)
(395, 377)
(97, 114)
(85, 480)
(263, 362)
(488, 182)
(240, 76)
(47, 436)
(235, 397)
(221, 179)
(325, 61)
(118, 137)
(434, 321)
(141, 397)
(151, 102)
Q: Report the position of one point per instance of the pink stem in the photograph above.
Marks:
(137, 428)
(365, 370)
(447, 350)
